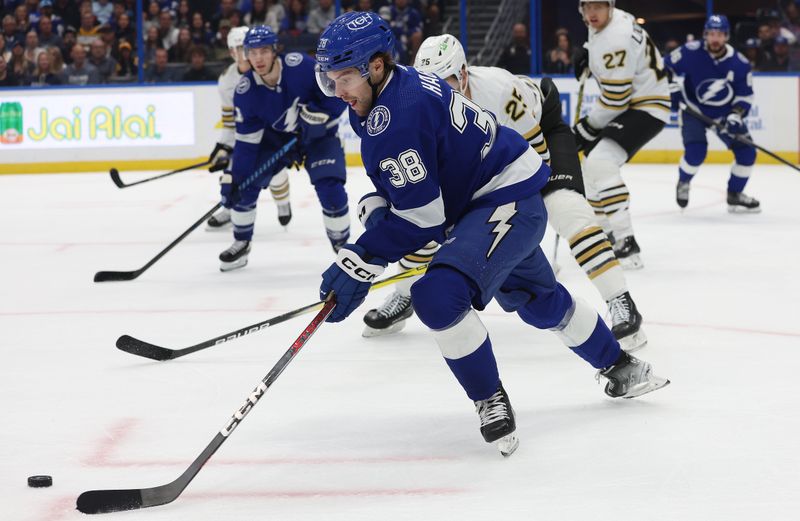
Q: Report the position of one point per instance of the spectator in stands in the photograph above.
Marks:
(433, 21)
(750, 50)
(321, 16)
(792, 14)
(779, 59)
(126, 63)
(124, 30)
(516, 58)
(80, 72)
(197, 68)
(7, 76)
(772, 17)
(670, 45)
(47, 38)
(219, 49)
(102, 9)
(158, 71)
(118, 10)
(4, 51)
(44, 74)
(559, 59)
(226, 7)
(45, 8)
(406, 23)
(151, 43)
(296, 21)
(236, 18)
(70, 40)
(18, 64)
(200, 34)
(167, 32)
(98, 56)
(32, 47)
(183, 17)
(23, 22)
(69, 15)
(258, 14)
(56, 60)
(10, 31)
(151, 17)
(275, 9)
(179, 53)
(89, 29)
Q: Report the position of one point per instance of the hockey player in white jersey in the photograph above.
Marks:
(535, 112)
(634, 106)
(223, 150)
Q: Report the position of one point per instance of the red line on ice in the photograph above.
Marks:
(106, 445)
(58, 509)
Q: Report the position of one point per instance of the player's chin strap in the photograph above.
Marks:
(387, 70)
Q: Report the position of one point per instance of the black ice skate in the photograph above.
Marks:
(235, 256)
(738, 202)
(284, 214)
(627, 252)
(389, 317)
(497, 421)
(626, 323)
(219, 221)
(682, 194)
(630, 377)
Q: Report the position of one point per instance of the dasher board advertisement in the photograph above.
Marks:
(115, 118)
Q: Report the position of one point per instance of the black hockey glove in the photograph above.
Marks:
(220, 157)
(580, 58)
(585, 134)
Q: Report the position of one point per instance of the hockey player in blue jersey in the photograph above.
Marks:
(275, 101)
(444, 171)
(712, 78)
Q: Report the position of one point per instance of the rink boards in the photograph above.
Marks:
(150, 127)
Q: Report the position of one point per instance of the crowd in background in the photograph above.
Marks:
(84, 42)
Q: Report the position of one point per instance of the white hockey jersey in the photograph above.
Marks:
(226, 84)
(516, 102)
(629, 70)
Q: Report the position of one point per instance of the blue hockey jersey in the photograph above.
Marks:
(710, 86)
(268, 117)
(433, 154)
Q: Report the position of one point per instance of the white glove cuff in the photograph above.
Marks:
(368, 204)
(359, 269)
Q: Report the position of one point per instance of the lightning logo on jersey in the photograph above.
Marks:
(502, 215)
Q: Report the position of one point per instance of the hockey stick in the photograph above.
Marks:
(736, 137)
(104, 276)
(579, 102)
(114, 173)
(139, 348)
(100, 501)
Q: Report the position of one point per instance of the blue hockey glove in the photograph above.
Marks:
(372, 208)
(350, 278)
(312, 123)
(734, 124)
(585, 134)
(227, 190)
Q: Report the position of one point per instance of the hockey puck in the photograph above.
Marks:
(40, 481)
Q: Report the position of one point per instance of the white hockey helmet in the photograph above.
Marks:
(236, 37)
(581, 2)
(441, 55)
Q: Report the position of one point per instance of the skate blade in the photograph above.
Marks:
(370, 332)
(633, 342)
(655, 383)
(631, 262)
(235, 265)
(742, 209)
(508, 444)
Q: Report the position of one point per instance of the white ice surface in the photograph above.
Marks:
(378, 429)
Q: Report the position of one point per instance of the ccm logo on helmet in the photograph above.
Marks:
(359, 23)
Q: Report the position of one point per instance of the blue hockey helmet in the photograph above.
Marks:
(351, 40)
(717, 22)
(259, 36)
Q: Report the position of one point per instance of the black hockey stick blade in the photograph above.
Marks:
(144, 349)
(100, 501)
(105, 276)
(114, 173)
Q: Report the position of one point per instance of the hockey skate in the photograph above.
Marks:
(627, 252)
(234, 257)
(682, 194)
(497, 421)
(626, 323)
(219, 221)
(630, 377)
(284, 214)
(738, 202)
(390, 317)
